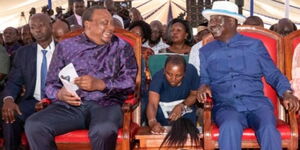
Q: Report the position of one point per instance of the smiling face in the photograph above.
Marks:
(174, 74)
(216, 25)
(222, 27)
(100, 27)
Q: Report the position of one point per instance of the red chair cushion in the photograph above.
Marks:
(296, 41)
(81, 136)
(248, 134)
(131, 100)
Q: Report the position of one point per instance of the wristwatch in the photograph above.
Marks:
(289, 91)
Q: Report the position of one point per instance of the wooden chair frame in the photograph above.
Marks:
(290, 144)
(289, 51)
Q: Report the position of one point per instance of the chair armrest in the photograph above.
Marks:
(46, 101)
(130, 103)
(292, 120)
(207, 117)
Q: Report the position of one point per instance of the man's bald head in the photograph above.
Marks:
(285, 26)
(110, 5)
(59, 28)
(156, 23)
(42, 17)
(10, 35)
(26, 36)
(157, 30)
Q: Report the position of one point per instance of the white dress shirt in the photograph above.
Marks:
(194, 57)
(50, 49)
(160, 45)
(79, 19)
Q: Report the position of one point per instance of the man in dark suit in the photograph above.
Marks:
(29, 69)
(78, 8)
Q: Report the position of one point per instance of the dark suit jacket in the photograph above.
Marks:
(23, 72)
(72, 20)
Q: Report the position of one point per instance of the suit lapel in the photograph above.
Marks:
(32, 69)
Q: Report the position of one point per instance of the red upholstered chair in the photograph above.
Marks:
(79, 139)
(288, 129)
(290, 43)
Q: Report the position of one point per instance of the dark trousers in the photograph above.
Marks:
(103, 124)
(231, 124)
(12, 131)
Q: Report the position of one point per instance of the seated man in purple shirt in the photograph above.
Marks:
(107, 69)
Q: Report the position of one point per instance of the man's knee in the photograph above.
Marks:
(33, 126)
(231, 124)
(103, 130)
(267, 127)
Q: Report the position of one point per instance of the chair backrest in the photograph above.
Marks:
(274, 44)
(290, 43)
(157, 62)
(136, 42)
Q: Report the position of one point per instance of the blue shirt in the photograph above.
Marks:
(168, 93)
(234, 70)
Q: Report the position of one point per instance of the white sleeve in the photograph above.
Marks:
(194, 57)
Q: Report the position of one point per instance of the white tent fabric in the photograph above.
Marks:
(10, 10)
(269, 10)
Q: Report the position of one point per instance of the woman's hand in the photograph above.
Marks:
(176, 112)
(156, 128)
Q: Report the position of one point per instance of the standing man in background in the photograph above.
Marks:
(78, 9)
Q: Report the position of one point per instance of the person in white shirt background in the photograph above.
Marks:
(155, 42)
(194, 58)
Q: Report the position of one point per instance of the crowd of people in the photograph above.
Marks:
(32, 56)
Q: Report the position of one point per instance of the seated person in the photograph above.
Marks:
(107, 71)
(231, 70)
(181, 37)
(59, 28)
(4, 65)
(296, 72)
(177, 81)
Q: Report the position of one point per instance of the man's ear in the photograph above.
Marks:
(86, 24)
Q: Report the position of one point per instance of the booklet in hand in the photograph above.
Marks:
(67, 76)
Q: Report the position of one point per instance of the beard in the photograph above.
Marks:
(154, 42)
(216, 31)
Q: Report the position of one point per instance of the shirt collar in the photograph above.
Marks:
(50, 47)
(233, 39)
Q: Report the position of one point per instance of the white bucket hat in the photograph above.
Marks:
(224, 8)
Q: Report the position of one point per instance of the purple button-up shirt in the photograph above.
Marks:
(114, 63)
